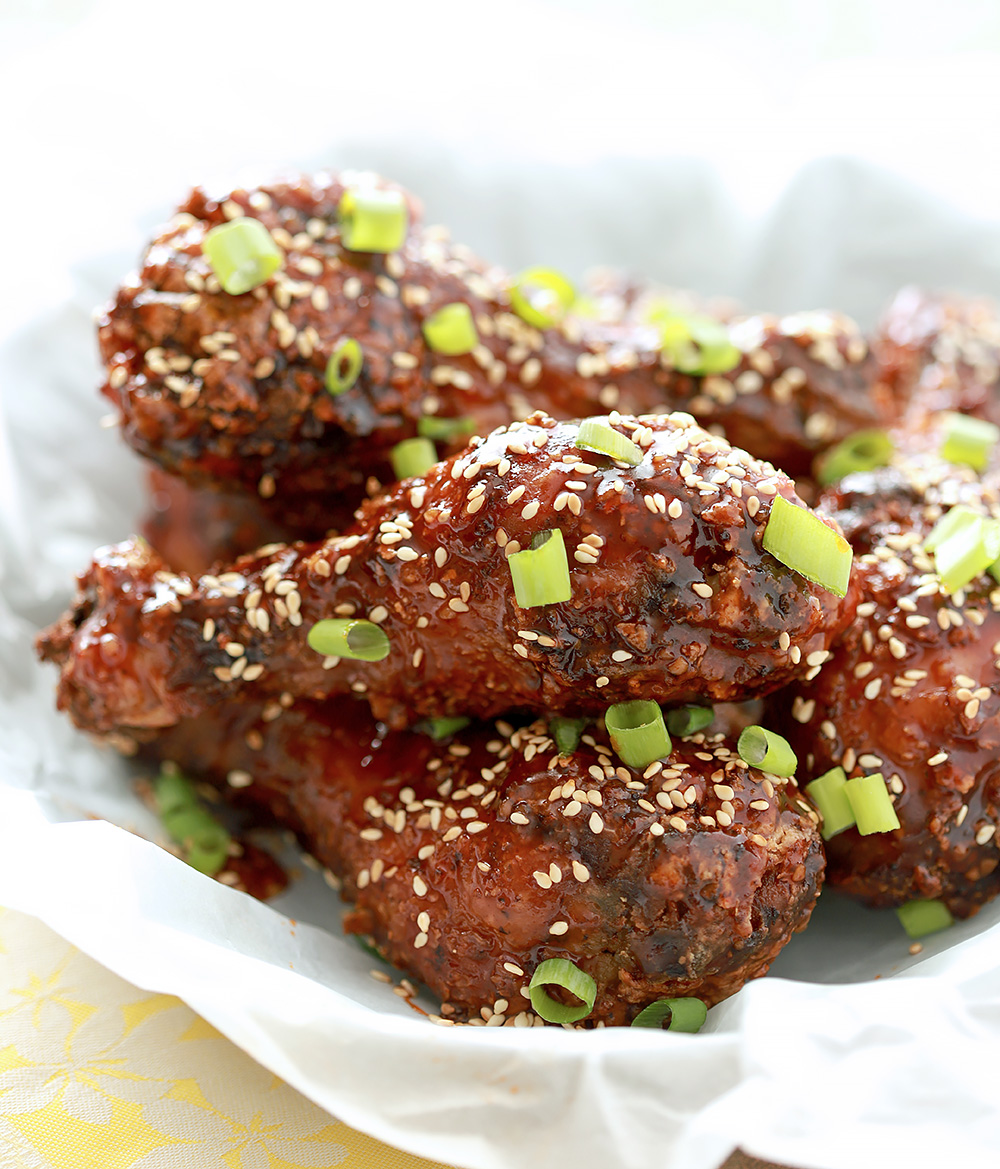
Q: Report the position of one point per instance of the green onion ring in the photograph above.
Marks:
(344, 366)
(444, 429)
(688, 720)
(173, 792)
(541, 573)
(922, 917)
(567, 732)
(862, 451)
(598, 436)
(967, 552)
(686, 1014)
(541, 296)
(766, 751)
(561, 972)
(637, 732)
(871, 804)
(242, 254)
(803, 543)
(349, 637)
(372, 220)
(451, 331)
(950, 523)
(968, 440)
(203, 841)
(441, 728)
(412, 456)
(828, 794)
(698, 345)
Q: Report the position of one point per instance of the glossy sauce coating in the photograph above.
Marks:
(672, 596)
(474, 859)
(911, 691)
(229, 390)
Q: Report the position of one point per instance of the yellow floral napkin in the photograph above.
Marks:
(97, 1074)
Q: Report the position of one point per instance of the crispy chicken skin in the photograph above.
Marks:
(473, 860)
(910, 691)
(673, 597)
(229, 390)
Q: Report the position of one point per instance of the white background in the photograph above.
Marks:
(109, 109)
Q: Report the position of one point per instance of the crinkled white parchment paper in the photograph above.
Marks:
(851, 1055)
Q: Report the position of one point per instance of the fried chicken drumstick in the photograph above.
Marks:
(229, 390)
(671, 595)
(910, 692)
(473, 860)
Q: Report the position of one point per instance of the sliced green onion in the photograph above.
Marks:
(637, 732)
(344, 366)
(803, 543)
(202, 839)
(587, 307)
(173, 792)
(349, 637)
(871, 805)
(970, 551)
(950, 523)
(412, 456)
(684, 1014)
(441, 728)
(372, 220)
(594, 435)
(444, 429)
(208, 858)
(561, 972)
(451, 331)
(968, 440)
(698, 345)
(922, 917)
(567, 732)
(541, 296)
(767, 751)
(242, 254)
(541, 573)
(688, 720)
(862, 451)
(828, 794)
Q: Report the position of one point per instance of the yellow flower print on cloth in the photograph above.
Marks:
(96, 1074)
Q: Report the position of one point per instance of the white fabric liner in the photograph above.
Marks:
(851, 1054)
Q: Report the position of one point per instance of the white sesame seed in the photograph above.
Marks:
(559, 927)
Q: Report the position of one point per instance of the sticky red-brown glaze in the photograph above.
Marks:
(230, 390)
(668, 885)
(911, 691)
(673, 597)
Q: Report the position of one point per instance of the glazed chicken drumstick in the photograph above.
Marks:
(231, 390)
(473, 860)
(911, 693)
(669, 593)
